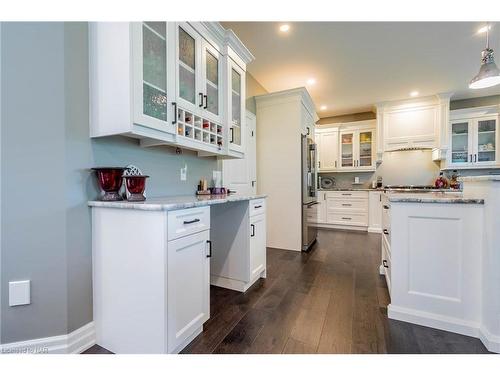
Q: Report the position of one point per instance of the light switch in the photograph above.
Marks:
(19, 293)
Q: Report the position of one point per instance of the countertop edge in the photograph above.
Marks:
(171, 206)
(436, 200)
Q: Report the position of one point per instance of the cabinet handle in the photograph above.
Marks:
(346, 194)
(174, 121)
(253, 230)
(346, 204)
(209, 249)
(385, 231)
(319, 164)
(335, 163)
(253, 183)
(201, 99)
(191, 221)
(231, 130)
(384, 262)
(386, 207)
(259, 206)
(307, 131)
(475, 158)
(347, 218)
(471, 158)
(206, 101)
(380, 197)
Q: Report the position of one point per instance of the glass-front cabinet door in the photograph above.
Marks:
(212, 73)
(152, 93)
(189, 92)
(461, 150)
(347, 143)
(236, 77)
(485, 142)
(365, 147)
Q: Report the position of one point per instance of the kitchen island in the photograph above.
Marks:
(154, 261)
(432, 256)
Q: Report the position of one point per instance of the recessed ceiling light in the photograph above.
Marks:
(413, 94)
(311, 81)
(483, 29)
(285, 28)
(323, 107)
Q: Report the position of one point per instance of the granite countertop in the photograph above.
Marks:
(396, 190)
(175, 202)
(479, 178)
(351, 189)
(433, 197)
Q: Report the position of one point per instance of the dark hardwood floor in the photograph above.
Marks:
(330, 300)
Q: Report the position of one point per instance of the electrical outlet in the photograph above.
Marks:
(184, 173)
(19, 293)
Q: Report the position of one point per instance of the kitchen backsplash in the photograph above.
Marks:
(401, 168)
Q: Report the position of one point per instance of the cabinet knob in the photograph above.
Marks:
(253, 230)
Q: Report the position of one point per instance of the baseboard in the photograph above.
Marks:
(72, 343)
(492, 342)
(437, 321)
(445, 323)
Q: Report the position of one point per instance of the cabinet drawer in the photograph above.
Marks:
(184, 222)
(386, 241)
(257, 207)
(352, 204)
(386, 216)
(386, 263)
(347, 194)
(348, 218)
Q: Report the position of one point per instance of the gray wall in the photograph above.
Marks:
(46, 154)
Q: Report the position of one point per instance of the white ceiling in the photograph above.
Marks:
(357, 64)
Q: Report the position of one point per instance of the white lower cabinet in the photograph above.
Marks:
(375, 211)
(152, 270)
(343, 209)
(239, 243)
(188, 270)
(257, 246)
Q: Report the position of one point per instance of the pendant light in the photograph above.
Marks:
(489, 74)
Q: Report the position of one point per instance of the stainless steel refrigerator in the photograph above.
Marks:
(309, 200)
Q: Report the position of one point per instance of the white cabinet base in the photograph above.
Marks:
(238, 285)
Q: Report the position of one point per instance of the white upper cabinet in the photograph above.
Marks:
(347, 147)
(153, 85)
(131, 85)
(236, 105)
(176, 83)
(473, 138)
(189, 70)
(211, 82)
(415, 123)
(328, 145)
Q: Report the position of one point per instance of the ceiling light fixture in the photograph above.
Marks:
(311, 81)
(284, 28)
(413, 94)
(323, 107)
(489, 74)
